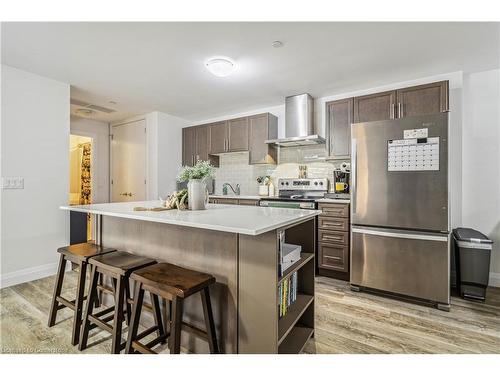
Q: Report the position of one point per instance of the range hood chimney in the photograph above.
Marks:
(299, 123)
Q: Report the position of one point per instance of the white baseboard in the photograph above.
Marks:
(494, 279)
(30, 274)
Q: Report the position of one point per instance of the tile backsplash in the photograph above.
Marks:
(234, 168)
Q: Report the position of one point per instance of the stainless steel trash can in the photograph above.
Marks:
(472, 257)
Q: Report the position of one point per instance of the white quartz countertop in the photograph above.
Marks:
(250, 220)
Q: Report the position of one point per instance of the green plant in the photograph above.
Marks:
(200, 171)
(266, 180)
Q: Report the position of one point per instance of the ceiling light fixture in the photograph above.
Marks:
(220, 66)
(84, 111)
(277, 44)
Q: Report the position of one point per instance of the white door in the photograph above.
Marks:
(128, 162)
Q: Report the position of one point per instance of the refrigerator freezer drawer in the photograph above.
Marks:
(407, 263)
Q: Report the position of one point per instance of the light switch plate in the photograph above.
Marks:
(12, 182)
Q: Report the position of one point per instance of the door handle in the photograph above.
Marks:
(406, 236)
(354, 173)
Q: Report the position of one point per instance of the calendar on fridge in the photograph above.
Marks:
(417, 154)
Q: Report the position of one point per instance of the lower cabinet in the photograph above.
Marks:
(333, 240)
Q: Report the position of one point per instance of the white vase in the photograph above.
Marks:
(197, 195)
(263, 190)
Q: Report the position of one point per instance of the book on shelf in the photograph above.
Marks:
(287, 292)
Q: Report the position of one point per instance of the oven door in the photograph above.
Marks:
(288, 204)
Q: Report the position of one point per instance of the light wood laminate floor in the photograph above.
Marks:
(346, 322)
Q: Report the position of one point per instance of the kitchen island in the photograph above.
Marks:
(239, 246)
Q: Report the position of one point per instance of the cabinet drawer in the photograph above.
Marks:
(333, 223)
(333, 257)
(334, 209)
(330, 236)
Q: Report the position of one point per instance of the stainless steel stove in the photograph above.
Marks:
(297, 193)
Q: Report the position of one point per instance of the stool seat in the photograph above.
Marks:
(166, 278)
(120, 262)
(83, 251)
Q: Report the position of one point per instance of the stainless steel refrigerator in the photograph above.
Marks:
(400, 226)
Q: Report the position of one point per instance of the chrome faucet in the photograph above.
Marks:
(236, 190)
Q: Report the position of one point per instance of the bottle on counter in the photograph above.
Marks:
(271, 189)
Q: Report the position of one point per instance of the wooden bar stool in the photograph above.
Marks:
(174, 284)
(78, 254)
(117, 265)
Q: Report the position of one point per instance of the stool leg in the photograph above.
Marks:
(57, 290)
(118, 317)
(127, 304)
(97, 302)
(89, 307)
(98, 298)
(209, 321)
(175, 336)
(136, 317)
(157, 316)
(80, 291)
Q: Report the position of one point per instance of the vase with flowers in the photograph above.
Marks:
(264, 182)
(196, 177)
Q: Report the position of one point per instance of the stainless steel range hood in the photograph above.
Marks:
(299, 123)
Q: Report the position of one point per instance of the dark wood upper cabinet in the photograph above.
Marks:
(375, 107)
(237, 134)
(339, 118)
(202, 143)
(423, 100)
(217, 137)
(188, 145)
(261, 128)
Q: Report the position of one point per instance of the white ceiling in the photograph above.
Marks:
(159, 66)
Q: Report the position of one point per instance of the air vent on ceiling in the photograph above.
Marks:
(99, 108)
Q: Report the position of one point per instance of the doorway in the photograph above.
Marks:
(128, 162)
(80, 174)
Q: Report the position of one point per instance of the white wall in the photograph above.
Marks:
(481, 159)
(35, 145)
(99, 132)
(163, 151)
(169, 152)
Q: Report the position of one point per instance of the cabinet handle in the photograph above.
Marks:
(393, 109)
(332, 237)
(400, 110)
(330, 257)
(333, 224)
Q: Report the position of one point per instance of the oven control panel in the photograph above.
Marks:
(303, 184)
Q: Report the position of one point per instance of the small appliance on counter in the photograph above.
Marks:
(341, 180)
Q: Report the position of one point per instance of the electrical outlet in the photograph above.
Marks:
(12, 182)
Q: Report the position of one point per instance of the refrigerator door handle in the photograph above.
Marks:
(409, 236)
(354, 173)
